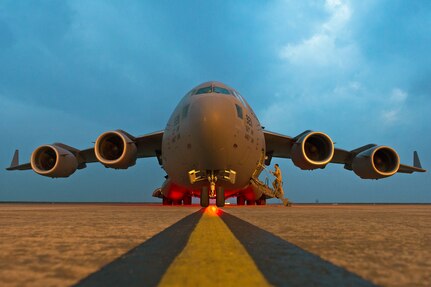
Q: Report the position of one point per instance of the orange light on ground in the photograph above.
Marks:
(213, 211)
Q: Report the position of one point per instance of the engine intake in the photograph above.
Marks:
(53, 161)
(377, 162)
(312, 150)
(115, 149)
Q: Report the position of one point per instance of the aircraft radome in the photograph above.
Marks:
(213, 146)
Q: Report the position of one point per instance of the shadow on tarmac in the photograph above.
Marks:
(282, 263)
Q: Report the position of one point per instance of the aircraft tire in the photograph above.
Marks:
(251, 202)
(220, 197)
(166, 201)
(187, 200)
(240, 200)
(205, 197)
(261, 201)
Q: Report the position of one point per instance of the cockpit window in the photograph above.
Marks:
(212, 89)
(191, 93)
(219, 90)
(239, 111)
(204, 90)
(238, 96)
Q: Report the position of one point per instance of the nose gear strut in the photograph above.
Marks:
(212, 176)
(212, 179)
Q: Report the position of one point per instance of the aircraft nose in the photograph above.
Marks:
(213, 130)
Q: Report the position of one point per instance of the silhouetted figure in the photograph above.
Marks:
(278, 181)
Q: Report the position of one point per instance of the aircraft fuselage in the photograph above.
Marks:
(212, 132)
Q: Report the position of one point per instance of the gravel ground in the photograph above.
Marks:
(389, 245)
(59, 244)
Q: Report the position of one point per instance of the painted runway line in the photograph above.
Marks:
(145, 264)
(213, 257)
(213, 248)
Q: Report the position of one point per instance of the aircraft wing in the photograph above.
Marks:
(149, 145)
(278, 145)
(14, 165)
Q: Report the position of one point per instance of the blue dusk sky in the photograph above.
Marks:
(359, 71)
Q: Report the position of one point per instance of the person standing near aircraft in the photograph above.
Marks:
(278, 181)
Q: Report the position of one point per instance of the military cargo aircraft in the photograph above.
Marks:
(214, 146)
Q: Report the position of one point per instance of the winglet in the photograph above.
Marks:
(15, 160)
(416, 161)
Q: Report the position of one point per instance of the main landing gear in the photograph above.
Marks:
(241, 200)
(186, 200)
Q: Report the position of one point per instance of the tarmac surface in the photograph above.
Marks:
(109, 244)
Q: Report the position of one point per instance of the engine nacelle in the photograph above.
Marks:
(312, 150)
(115, 149)
(53, 161)
(377, 162)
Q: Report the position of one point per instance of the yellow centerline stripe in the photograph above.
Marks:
(213, 257)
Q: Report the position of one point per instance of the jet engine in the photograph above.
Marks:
(115, 149)
(53, 161)
(312, 150)
(377, 162)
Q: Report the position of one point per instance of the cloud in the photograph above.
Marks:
(396, 103)
(398, 96)
(318, 73)
(328, 78)
(330, 45)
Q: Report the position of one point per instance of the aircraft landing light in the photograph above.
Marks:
(213, 211)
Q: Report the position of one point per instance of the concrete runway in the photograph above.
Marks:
(327, 245)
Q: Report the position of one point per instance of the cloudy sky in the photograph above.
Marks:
(357, 70)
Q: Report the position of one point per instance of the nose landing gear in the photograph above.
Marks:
(212, 179)
(220, 197)
(219, 194)
(205, 198)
